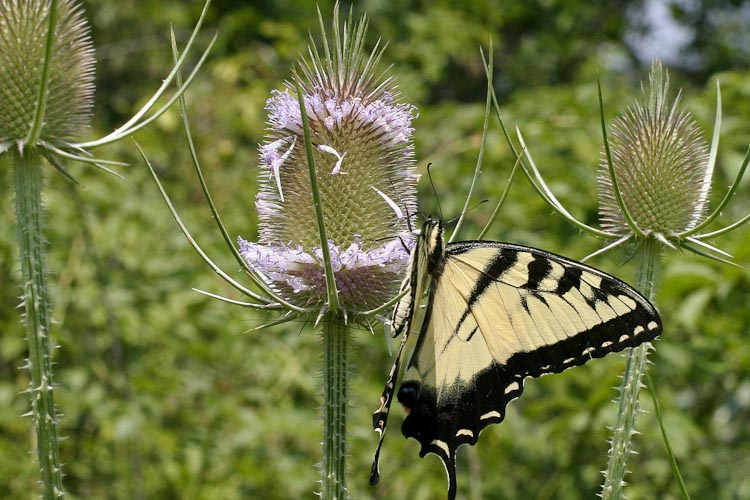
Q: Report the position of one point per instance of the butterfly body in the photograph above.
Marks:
(497, 313)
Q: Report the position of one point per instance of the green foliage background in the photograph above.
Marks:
(167, 394)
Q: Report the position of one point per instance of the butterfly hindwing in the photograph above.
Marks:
(498, 313)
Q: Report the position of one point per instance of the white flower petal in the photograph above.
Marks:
(391, 203)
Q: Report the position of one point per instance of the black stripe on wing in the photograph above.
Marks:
(539, 269)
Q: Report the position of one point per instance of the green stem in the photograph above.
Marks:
(637, 359)
(333, 296)
(335, 391)
(41, 105)
(28, 183)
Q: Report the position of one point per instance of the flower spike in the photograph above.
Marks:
(480, 157)
(339, 154)
(333, 296)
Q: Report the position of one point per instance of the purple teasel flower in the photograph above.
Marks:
(365, 171)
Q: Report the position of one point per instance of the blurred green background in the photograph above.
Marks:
(167, 394)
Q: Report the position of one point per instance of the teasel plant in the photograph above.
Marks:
(46, 100)
(337, 188)
(654, 185)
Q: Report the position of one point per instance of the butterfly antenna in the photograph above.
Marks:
(404, 205)
(408, 215)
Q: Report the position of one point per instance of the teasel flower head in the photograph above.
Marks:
(70, 67)
(47, 83)
(660, 158)
(655, 176)
(364, 187)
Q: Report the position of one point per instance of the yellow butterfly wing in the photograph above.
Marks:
(498, 313)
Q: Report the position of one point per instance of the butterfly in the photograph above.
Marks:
(496, 313)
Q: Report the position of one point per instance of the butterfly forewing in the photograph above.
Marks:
(498, 313)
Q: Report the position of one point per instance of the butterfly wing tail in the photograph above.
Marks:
(447, 455)
(450, 469)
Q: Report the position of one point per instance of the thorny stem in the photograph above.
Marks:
(622, 434)
(335, 391)
(27, 170)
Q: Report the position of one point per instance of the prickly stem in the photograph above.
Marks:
(28, 186)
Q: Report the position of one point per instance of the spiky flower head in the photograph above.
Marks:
(660, 161)
(363, 154)
(70, 88)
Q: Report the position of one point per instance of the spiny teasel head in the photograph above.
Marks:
(364, 160)
(661, 164)
(23, 38)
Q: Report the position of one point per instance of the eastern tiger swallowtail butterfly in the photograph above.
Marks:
(496, 314)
